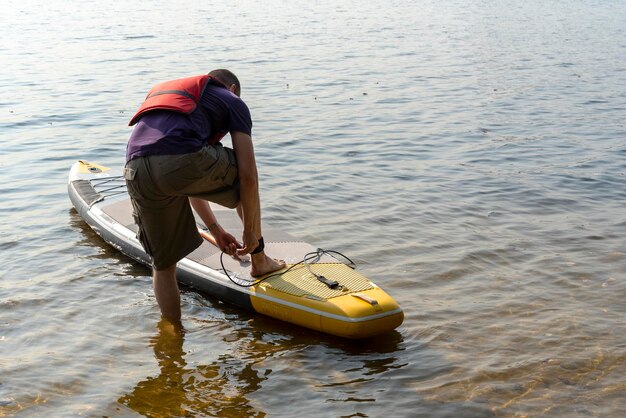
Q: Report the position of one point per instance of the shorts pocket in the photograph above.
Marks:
(219, 165)
(141, 233)
(177, 172)
(230, 171)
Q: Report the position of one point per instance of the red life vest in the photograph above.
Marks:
(180, 95)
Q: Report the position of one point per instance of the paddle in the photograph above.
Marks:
(207, 236)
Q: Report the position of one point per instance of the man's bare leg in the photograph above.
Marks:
(167, 293)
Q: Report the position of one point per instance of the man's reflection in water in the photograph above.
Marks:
(181, 391)
(222, 387)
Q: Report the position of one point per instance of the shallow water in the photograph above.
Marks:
(470, 156)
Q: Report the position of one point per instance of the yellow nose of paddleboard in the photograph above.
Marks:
(85, 167)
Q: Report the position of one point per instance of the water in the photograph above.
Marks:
(469, 155)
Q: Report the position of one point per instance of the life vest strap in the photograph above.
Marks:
(179, 92)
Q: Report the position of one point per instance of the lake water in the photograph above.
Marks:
(470, 156)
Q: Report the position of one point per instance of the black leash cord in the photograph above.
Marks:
(306, 260)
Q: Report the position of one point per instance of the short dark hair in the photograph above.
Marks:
(227, 78)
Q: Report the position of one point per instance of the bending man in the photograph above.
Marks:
(174, 160)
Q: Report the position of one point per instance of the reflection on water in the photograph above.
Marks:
(216, 389)
(226, 386)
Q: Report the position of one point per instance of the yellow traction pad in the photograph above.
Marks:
(299, 281)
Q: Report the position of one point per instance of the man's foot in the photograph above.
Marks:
(262, 265)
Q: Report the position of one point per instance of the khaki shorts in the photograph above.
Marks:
(159, 187)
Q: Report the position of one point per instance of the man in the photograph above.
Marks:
(174, 160)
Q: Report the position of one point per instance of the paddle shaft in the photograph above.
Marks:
(207, 236)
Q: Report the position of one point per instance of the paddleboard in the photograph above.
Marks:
(319, 290)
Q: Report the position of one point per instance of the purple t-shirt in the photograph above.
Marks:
(161, 132)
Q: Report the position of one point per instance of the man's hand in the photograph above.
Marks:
(250, 242)
(225, 241)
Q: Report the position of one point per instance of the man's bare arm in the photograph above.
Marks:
(225, 241)
(249, 191)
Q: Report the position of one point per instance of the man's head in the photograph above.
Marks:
(228, 79)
